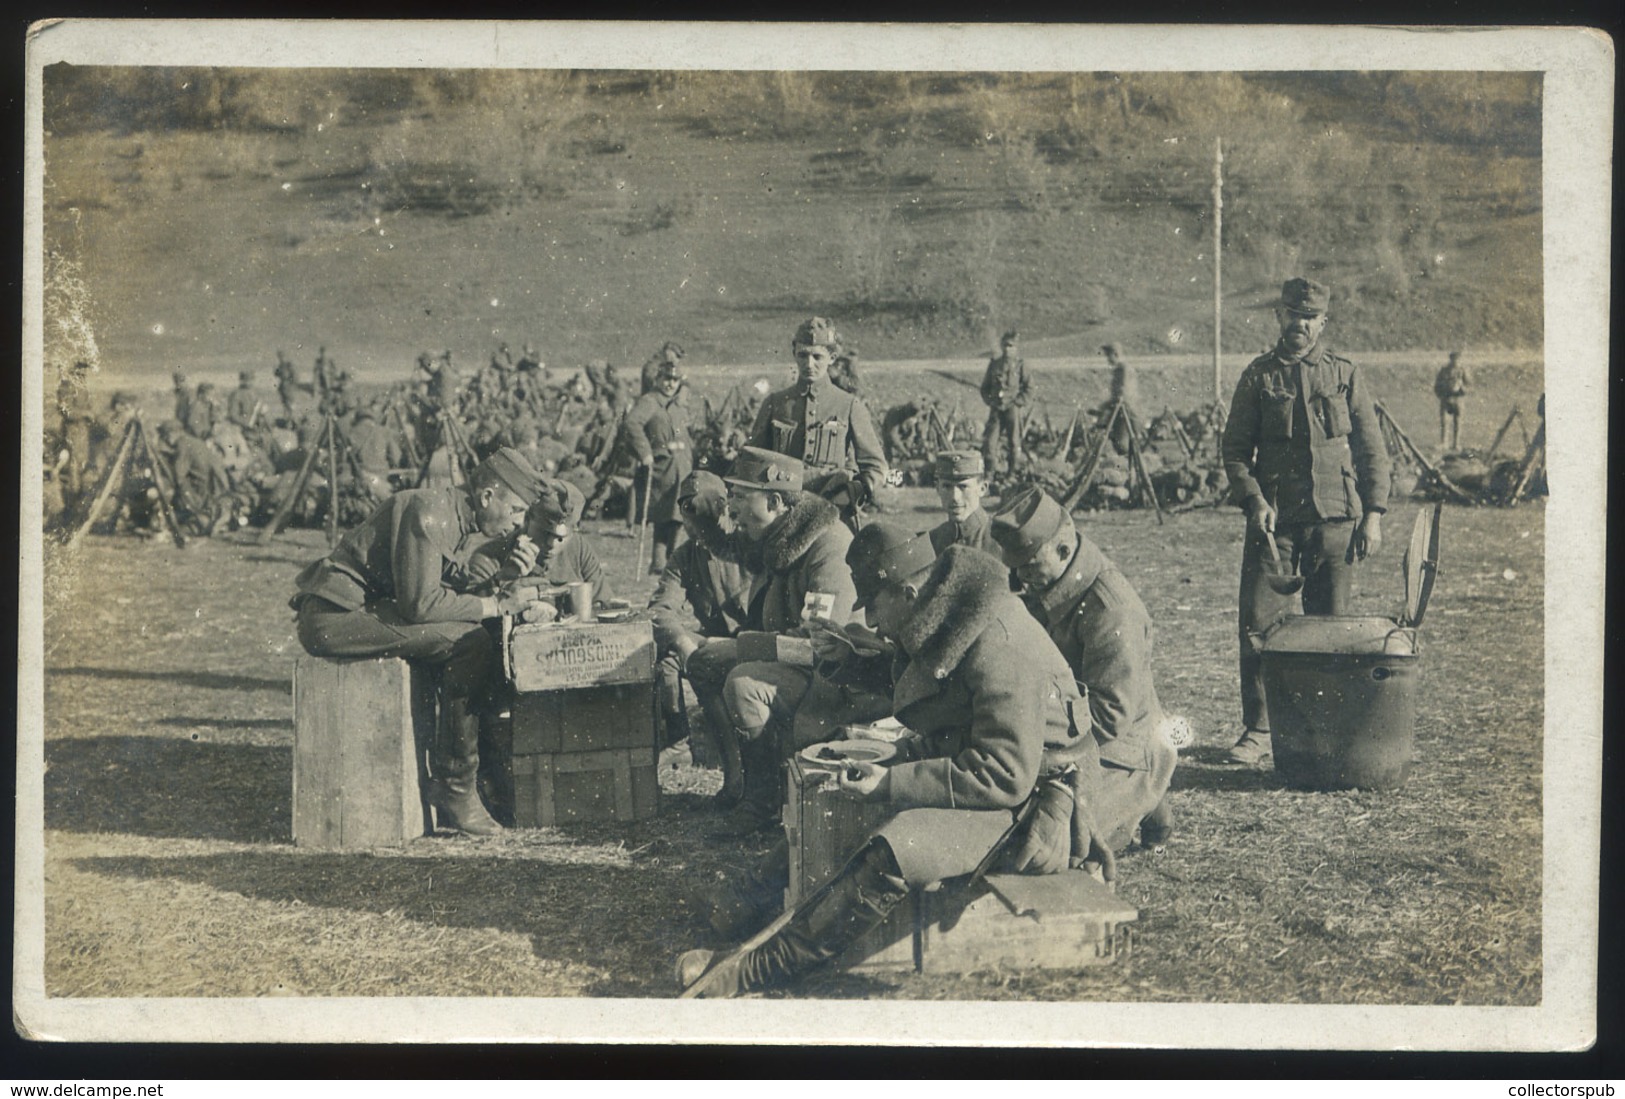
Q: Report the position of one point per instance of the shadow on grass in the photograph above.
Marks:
(625, 920)
(215, 681)
(1232, 778)
(226, 722)
(173, 789)
(952, 377)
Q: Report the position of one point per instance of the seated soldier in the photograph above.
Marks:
(202, 483)
(988, 733)
(383, 592)
(711, 587)
(549, 548)
(1097, 620)
(961, 483)
(794, 545)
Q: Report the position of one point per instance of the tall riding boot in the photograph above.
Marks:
(657, 558)
(858, 901)
(456, 763)
(740, 905)
(762, 796)
(733, 767)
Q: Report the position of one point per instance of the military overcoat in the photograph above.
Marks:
(825, 427)
(657, 430)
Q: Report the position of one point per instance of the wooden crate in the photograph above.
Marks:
(1010, 921)
(621, 784)
(585, 755)
(361, 729)
(587, 654)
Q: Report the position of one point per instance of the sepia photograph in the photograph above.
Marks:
(1004, 535)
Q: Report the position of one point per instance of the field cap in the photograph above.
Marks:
(1112, 349)
(670, 351)
(1011, 335)
(1305, 297)
(178, 376)
(1024, 521)
(515, 473)
(557, 509)
(668, 368)
(703, 494)
(767, 470)
(245, 375)
(816, 332)
(959, 465)
(883, 554)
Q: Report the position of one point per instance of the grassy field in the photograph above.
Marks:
(170, 869)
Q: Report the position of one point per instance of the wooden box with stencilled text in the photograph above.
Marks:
(584, 737)
(565, 656)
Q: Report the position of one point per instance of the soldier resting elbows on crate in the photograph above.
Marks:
(383, 592)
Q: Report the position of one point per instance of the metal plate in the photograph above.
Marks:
(833, 754)
(1421, 565)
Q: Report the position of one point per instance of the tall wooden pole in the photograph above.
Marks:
(1218, 250)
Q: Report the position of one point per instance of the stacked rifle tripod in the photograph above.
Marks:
(135, 450)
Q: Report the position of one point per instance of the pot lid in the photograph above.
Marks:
(1421, 565)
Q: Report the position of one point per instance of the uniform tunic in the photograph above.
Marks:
(657, 430)
(241, 406)
(571, 563)
(976, 532)
(825, 427)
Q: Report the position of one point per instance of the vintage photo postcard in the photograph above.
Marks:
(938, 534)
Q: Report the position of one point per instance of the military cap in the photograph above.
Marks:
(511, 470)
(171, 427)
(1304, 296)
(1112, 349)
(1011, 335)
(123, 396)
(670, 351)
(178, 376)
(704, 494)
(959, 465)
(883, 554)
(816, 332)
(669, 368)
(365, 413)
(767, 470)
(1024, 521)
(557, 508)
(245, 376)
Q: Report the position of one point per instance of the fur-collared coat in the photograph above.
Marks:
(800, 565)
(995, 708)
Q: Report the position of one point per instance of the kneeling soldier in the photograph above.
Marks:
(990, 732)
(384, 592)
(1097, 620)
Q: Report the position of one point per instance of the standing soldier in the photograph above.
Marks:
(657, 430)
(287, 387)
(649, 376)
(244, 406)
(1124, 388)
(1096, 618)
(1005, 390)
(1306, 461)
(383, 592)
(1451, 388)
(825, 428)
(183, 398)
(204, 413)
(73, 404)
(961, 482)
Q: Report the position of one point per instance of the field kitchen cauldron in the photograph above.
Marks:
(1341, 689)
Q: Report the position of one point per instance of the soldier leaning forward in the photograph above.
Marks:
(546, 555)
(990, 732)
(1097, 620)
(794, 546)
(702, 594)
(392, 588)
(657, 430)
(826, 428)
(1306, 461)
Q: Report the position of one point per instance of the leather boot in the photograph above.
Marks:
(675, 725)
(733, 768)
(761, 803)
(657, 559)
(1158, 825)
(739, 906)
(454, 793)
(857, 902)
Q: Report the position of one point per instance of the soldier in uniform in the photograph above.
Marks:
(1096, 618)
(73, 404)
(183, 398)
(557, 554)
(389, 590)
(244, 407)
(988, 733)
(649, 375)
(961, 483)
(1124, 388)
(204, 412)
(701, 594)
(1450, 387)
(376, 450)
(1005, 391)
(202, 484)
(1306, 461)
(794, 545)
(825, 428)
(657, 430)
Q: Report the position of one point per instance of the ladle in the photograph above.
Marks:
(1280, 583)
